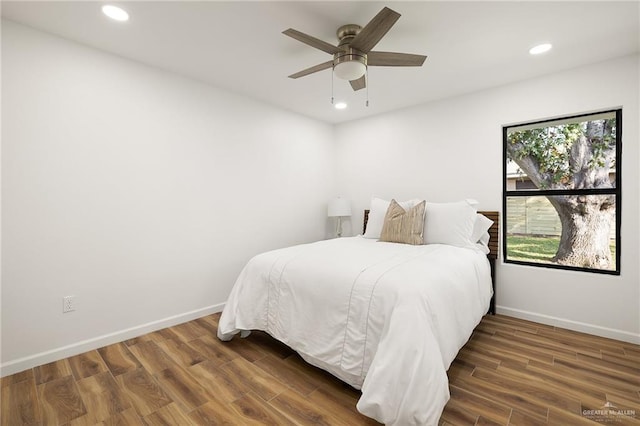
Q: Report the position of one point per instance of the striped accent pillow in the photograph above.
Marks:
(402, 226)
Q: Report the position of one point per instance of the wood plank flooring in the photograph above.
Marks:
(511, 372)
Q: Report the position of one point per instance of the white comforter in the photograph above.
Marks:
(387, 318)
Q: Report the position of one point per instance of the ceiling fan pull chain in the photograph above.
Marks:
(332, 71)
(367, 83)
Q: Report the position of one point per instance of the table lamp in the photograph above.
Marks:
(339, 207)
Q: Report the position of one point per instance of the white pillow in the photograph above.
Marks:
(377, 212)
(449, 223)
(480, 227)
(483, 243)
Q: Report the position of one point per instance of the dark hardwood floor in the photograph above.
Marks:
(511, 372)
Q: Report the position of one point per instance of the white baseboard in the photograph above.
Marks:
(596, 330)
(21, 364)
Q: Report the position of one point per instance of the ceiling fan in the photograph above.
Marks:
(353, 54)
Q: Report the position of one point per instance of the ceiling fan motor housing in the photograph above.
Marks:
(346, 34)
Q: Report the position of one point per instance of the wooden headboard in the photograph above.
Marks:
(493, 231)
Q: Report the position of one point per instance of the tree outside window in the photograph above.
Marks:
(562, 192)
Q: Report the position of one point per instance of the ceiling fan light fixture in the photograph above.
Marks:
(340, 105)
(350, 70)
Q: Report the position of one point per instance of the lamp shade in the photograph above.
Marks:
(339, 207)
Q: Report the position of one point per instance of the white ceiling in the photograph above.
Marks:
(239, 46)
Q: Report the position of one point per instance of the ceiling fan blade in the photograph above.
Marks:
(371, 34)
(394, 59)
(312, 41)
(311, 70)
(360, 83)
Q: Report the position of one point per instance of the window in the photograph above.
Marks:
(562, 192)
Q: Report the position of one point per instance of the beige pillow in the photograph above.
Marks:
(402, 226)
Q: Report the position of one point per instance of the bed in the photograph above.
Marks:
(385, 318)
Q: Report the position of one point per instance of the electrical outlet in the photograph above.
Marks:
(68, 304)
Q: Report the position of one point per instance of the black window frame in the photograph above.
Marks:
(617, 191)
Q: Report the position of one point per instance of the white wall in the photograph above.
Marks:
(452, 149)
(139, 192)
(143, 193)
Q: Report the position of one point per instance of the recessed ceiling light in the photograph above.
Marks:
(340, 105)
(541, 48)
(114, 12)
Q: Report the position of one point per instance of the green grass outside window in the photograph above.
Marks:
(538, 249)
